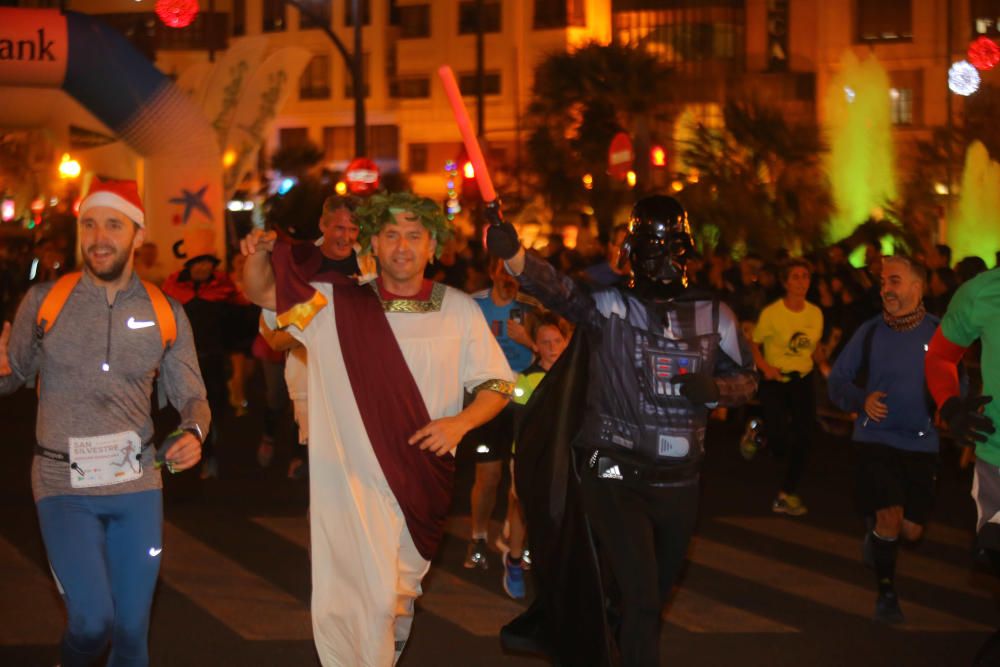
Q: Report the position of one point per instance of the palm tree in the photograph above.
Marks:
(580, 100)
(760, 180)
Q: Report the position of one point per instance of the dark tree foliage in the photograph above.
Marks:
(980, 121)
(920, 204)
(296, 159)
(580, 100)
(760, 180)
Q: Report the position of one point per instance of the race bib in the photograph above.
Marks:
(104, 460)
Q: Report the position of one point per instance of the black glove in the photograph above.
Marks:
(501, 237)
(965, 421)
(699, 388)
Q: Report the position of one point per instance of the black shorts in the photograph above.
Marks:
(888, 477)
(493, 440)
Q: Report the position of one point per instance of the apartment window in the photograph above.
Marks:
(901, 106)
(689, 38)
(366, 12)
(349, 80)
(292, 137)
(777, 35)
(415, 21)
(273, 15)
(314, 84)
(321, 9)
(559, 14)
(411, 88)
(468, 17)
(985, 15)
(338, 143)
(417, 158)
(905, 98)
(383, 142)
(491, 83)
(885, 20)
(239, 18)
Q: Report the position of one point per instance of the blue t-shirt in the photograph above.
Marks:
(896, 367)
(518, 356)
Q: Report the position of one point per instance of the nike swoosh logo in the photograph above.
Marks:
(154, 552)
(135, 324)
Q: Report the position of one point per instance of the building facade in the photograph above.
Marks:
(782, 52)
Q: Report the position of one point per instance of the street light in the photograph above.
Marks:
(7, 209)
(658, 156)
(68, 167)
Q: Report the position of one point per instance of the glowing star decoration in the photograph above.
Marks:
(192, 201)
(963, 78)
(984, 53)
(177, 13)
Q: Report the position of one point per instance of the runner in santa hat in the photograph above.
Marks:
(94, 341)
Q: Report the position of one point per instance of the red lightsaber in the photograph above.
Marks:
(468, 135)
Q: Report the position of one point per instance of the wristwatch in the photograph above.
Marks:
(196, 432)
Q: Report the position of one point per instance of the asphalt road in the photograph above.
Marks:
(759, 589)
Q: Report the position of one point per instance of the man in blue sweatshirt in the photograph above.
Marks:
(880, 376)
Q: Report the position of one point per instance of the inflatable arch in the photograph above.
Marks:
(181, 165)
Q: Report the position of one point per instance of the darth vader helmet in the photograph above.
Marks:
(658, 241)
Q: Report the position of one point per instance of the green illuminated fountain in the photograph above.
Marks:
(975, 227)
(859, 133)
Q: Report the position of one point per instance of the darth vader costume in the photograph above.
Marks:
(611, 445)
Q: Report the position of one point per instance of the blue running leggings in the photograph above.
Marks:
(105, 554)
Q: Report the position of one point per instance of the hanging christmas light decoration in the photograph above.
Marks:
(452, 206)
(177, 13)
(984, 53)
(963, 78)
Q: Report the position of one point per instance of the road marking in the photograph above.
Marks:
(483, 613)
(954, 537)
(470, 607)
(688, 610)
(294, 529)
(247, 604)
(695, 612)
(39, 623)
(912, 565)
(817, 588)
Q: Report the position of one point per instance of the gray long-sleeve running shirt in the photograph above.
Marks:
(96, 367)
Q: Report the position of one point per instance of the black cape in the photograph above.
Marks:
(566, 622)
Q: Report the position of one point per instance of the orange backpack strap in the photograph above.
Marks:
(164, 314)
(54, 301)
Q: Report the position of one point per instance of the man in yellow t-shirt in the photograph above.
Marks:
(785, 348)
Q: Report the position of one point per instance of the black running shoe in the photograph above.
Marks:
(887, 609)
